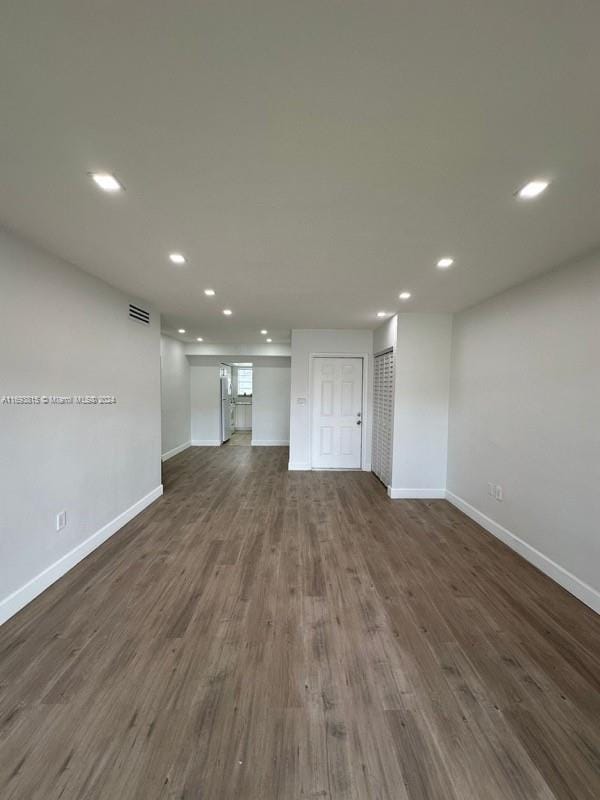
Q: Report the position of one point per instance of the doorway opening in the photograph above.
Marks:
(236, 403)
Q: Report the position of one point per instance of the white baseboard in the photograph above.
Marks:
(416, 494)
(26, 593)
(297, 466)
(206, 443)
(179, 449)
(570, 582)
(270, 442)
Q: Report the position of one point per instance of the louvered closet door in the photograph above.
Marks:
(383, 395)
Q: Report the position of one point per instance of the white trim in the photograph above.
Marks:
(179, 449)
(365, 457)
(270, 442)
(570, 582)
(206, 442)
(241, 429)
(416, 494)
(26, 593)
(297, 466)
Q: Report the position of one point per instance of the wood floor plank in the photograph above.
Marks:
(260, 634)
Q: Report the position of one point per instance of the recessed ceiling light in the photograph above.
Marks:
(405, 295)
(106, 181)
(532, 189)
(264, 332)
(199, 339)
(181, 330)
(228, 312)
(209, 292)
(382, 313)
(269, 340)
(445, 262)
(177, 258)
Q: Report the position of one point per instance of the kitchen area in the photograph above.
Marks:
(240, 399)
(236, 403)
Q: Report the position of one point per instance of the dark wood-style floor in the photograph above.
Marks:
(258, 634)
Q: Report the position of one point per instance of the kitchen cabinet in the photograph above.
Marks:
(243, 416)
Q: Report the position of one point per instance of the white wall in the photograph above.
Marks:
(64, 332)
(305, 342)
(237, 352)
(384, 337)
(175, 397)
(422, 386)
(525, 409)
(271, 402)
(206, 403)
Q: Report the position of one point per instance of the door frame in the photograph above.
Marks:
(365, 450)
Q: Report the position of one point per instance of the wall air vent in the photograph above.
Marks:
(139, 314)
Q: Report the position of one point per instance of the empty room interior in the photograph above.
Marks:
(299, 400)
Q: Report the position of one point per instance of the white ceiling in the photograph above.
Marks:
(311, 159)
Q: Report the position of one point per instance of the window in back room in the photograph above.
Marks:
(244, 381)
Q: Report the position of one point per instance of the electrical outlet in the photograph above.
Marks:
(499, 494)
(61, 520)
(491, 490)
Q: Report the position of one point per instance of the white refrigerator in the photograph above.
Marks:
(225, 410)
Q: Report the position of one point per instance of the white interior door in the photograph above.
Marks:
(337, 413)
(383, 400)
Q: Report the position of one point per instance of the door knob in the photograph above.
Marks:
(358, 422)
